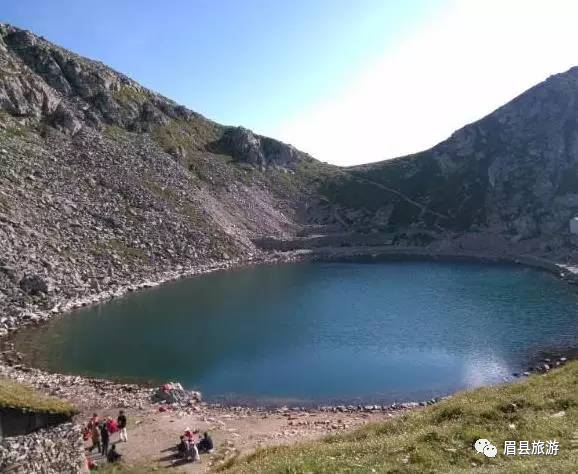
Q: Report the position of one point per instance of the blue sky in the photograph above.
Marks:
(347, 81)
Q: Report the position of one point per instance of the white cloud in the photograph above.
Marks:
(472, 58)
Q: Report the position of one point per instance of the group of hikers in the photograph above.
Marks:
(191, 445)
(100, 431)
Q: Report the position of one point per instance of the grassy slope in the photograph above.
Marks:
(15, 395)
(440, 438)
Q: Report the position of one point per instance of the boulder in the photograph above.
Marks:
(243, 146)
(174, 393)
(263, 152)
(64, 120)
(33, 284)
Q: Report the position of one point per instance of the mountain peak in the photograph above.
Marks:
(47, 84)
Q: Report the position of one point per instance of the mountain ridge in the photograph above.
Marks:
(540, 117)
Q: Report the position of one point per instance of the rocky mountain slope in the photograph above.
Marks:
(512, 175)
(104, 183)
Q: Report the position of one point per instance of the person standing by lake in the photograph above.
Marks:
(93, 421)
(95, 431)
(105, 437)
(121, 422)
(111, 425)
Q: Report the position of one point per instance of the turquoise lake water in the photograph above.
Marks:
(320, 332)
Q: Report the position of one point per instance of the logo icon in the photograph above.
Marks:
(490, 451)
(485, 447)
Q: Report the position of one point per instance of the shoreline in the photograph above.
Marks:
(323, 254)
(13, 366)
(34, 318)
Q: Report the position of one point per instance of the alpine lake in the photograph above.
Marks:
(319, 333)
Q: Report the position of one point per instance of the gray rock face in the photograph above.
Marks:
(47, 451)
(244, 146)
(46, 82)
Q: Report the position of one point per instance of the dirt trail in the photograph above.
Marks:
(152, 435)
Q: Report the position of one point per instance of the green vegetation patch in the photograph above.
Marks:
(453, 200)
(128, 253)
(4, 116)
(4, 206)
(316, 172)
(441, 438)
(12, 130)
(122, 468)
(126, 250)
(129, 93)
(114, 132)
(163, 192)
(185, 136)
(309, 175)
(23, 397)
